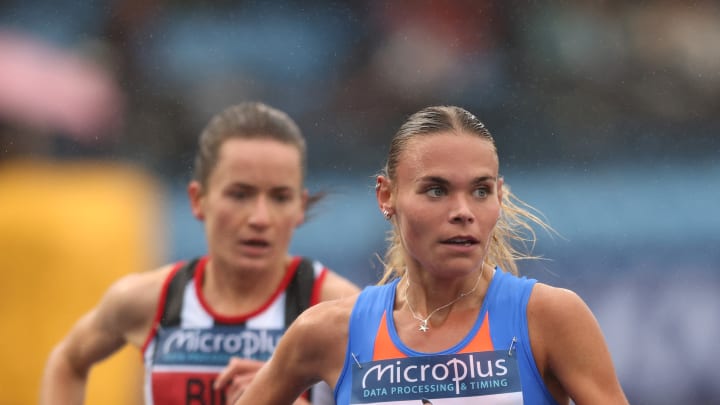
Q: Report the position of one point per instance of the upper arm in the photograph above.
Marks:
(312, 350)
(570, 349)
(123, 315)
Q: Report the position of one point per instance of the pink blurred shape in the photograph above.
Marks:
(54, 90)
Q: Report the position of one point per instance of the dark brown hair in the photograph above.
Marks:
(248, 120)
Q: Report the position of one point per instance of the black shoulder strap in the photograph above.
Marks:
(175, 293)
(299, 291)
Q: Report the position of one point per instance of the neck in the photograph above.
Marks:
(445, 305)
(235, 291)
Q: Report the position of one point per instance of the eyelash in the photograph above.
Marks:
(282, 198)
(485, 191)
(430, 191)
(241, 195)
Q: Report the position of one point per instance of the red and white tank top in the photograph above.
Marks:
(190, 343)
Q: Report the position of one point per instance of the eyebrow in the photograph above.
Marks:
(443, 181)
(253, 187)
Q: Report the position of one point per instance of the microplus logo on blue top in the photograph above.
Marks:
(214, 346)
(441, 376)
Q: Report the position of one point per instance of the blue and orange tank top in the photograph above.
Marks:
(492, 364)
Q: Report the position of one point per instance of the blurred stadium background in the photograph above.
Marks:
(605, 114)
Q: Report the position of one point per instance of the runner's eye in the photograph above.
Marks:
(435, 192)
(481, 192)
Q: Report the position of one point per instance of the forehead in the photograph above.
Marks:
(255, 160)
(448, 154)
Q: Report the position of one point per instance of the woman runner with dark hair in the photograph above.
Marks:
(205, 326)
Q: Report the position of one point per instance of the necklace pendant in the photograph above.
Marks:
(424, 326)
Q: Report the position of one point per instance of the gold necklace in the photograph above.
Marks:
(424, 321)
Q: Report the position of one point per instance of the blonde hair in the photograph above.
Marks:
(514, 227)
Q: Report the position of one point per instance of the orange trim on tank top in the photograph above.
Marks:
(385, 348)
(481, 342)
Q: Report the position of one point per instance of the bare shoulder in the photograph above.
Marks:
(129, 305)
(322, 332)
(561, 327)
(325, 320)
(336, 286)
(138, 289)
(557, 308)
(569, 347)
(124, 315)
